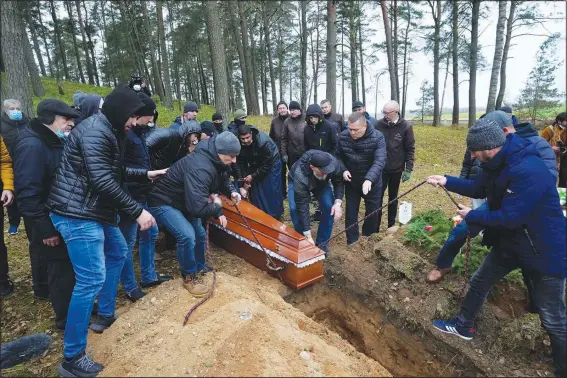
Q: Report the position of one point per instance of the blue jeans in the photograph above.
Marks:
(326, 199)
(456, 240)
(190, 235)
(548, 293)
(97, 252)
(146, 248)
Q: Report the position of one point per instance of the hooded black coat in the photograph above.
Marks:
(257, 159)
(323, 136)
(189, 182)
(88, 183)
(89, 106)
(167, 145)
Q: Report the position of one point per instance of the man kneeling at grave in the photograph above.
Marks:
(311, 175)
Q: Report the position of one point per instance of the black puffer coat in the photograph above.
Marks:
(88, 184)
(10, 130)
(168, 145)
(258, 158)
(364, 158)
(189, 182)
(38, 154)
(471, 167)
(137, 156)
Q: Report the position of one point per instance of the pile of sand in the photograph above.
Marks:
(246, 329)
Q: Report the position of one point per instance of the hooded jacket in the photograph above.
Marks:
(10, 130)
(322, 136)
(38, 155)
(526, 131)
(292, 138)
(305, 183)
(257, 159)
(525, 222)
(189, 182)
(400, 143)
(88, 183)
(276, 130)
(166, 146)
(365, 157)
(89, 106)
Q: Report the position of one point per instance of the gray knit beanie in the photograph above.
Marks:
(485, 135)
(502, 119)
(227, 143)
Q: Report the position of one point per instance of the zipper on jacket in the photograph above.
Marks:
(530, 240)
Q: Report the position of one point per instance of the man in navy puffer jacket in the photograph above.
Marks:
(524, 226)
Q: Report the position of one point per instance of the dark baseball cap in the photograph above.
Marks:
(53, 106)
(324, 161)
(357, 104)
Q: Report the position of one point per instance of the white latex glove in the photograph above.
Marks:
(437, 180)
(145, 220)
(243, 192)
(236, 197)
(337, 211)
(366, 186)
(217, 199)
(346, 176)
(222, 220)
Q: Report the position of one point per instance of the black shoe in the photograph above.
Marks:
(101, 323)
(79, 366)
(41, 297)
(161, 279)
(530, 308)
(6, 289)
(61, 325)
(135, 295)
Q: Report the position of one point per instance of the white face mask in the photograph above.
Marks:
(66, 133)
(151, 124)
(137, 87)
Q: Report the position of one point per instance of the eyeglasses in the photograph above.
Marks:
(390, 112)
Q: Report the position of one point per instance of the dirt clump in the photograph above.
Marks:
(245, 329)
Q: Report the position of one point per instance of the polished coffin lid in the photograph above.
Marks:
(280, 241)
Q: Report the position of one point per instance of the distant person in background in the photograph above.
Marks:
(13, 121)
(358, 106)
(190, 112)
(7, 197)
(400, 143)
(138, 84)
(78, 96)
(335, 118)
(276, 133)
(91, 104)
(293, 145)
(218, 122)
(239, 119)
(508, 110)
(556, 135)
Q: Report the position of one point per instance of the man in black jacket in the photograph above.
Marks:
(333, 117)
(400, 144)
(13, 120)
(362, 152)
(185, 195)
(319, 134)
(167, 145)
(276, 133)
(309, 176)
(85, 199)
(258, 170)
(37, 157)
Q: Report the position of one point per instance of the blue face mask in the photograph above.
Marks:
(15, 115)
(61, 134)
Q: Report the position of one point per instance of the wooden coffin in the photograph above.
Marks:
(302, 262)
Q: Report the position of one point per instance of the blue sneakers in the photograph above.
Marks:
(13, 230)
(450, 326)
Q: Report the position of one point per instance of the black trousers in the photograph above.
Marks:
(284, 179)
(14, 215)
(52, 272)
(391, 182)
(353, 193)
(3, 252)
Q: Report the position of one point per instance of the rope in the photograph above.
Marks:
(210, 294)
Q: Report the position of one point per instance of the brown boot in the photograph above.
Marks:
(195, 286)
(437, 274)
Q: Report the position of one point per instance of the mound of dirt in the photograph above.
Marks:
(245, 329)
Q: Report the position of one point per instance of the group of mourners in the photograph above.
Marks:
(92, 179)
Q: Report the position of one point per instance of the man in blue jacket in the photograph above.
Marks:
(524, 226)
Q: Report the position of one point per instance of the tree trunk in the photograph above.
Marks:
(391, 67)
(343, 65)
(17, 80)
(362, 86)
(405, 69)
(263, 81)
(57, 30)
(85, 46)
(241, 57)
(164, 55)
(108, 56)
(270, 61)
(395, 47)
(252, 105)
(90, 45)
(36, 43)
(353, 51)
(253, 54)
(509, 25)
(280, 63)
(138, 48)
(455, 53)
(331, 82)
(156, 75)
(171, 17)
(473, 62)
(444, 86)
(436, 13)
(496, 62)
(204, 92)
(303, 57)
(75, 47)
(37, 85)
(43, 37)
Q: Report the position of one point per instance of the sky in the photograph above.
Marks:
(521, 60)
